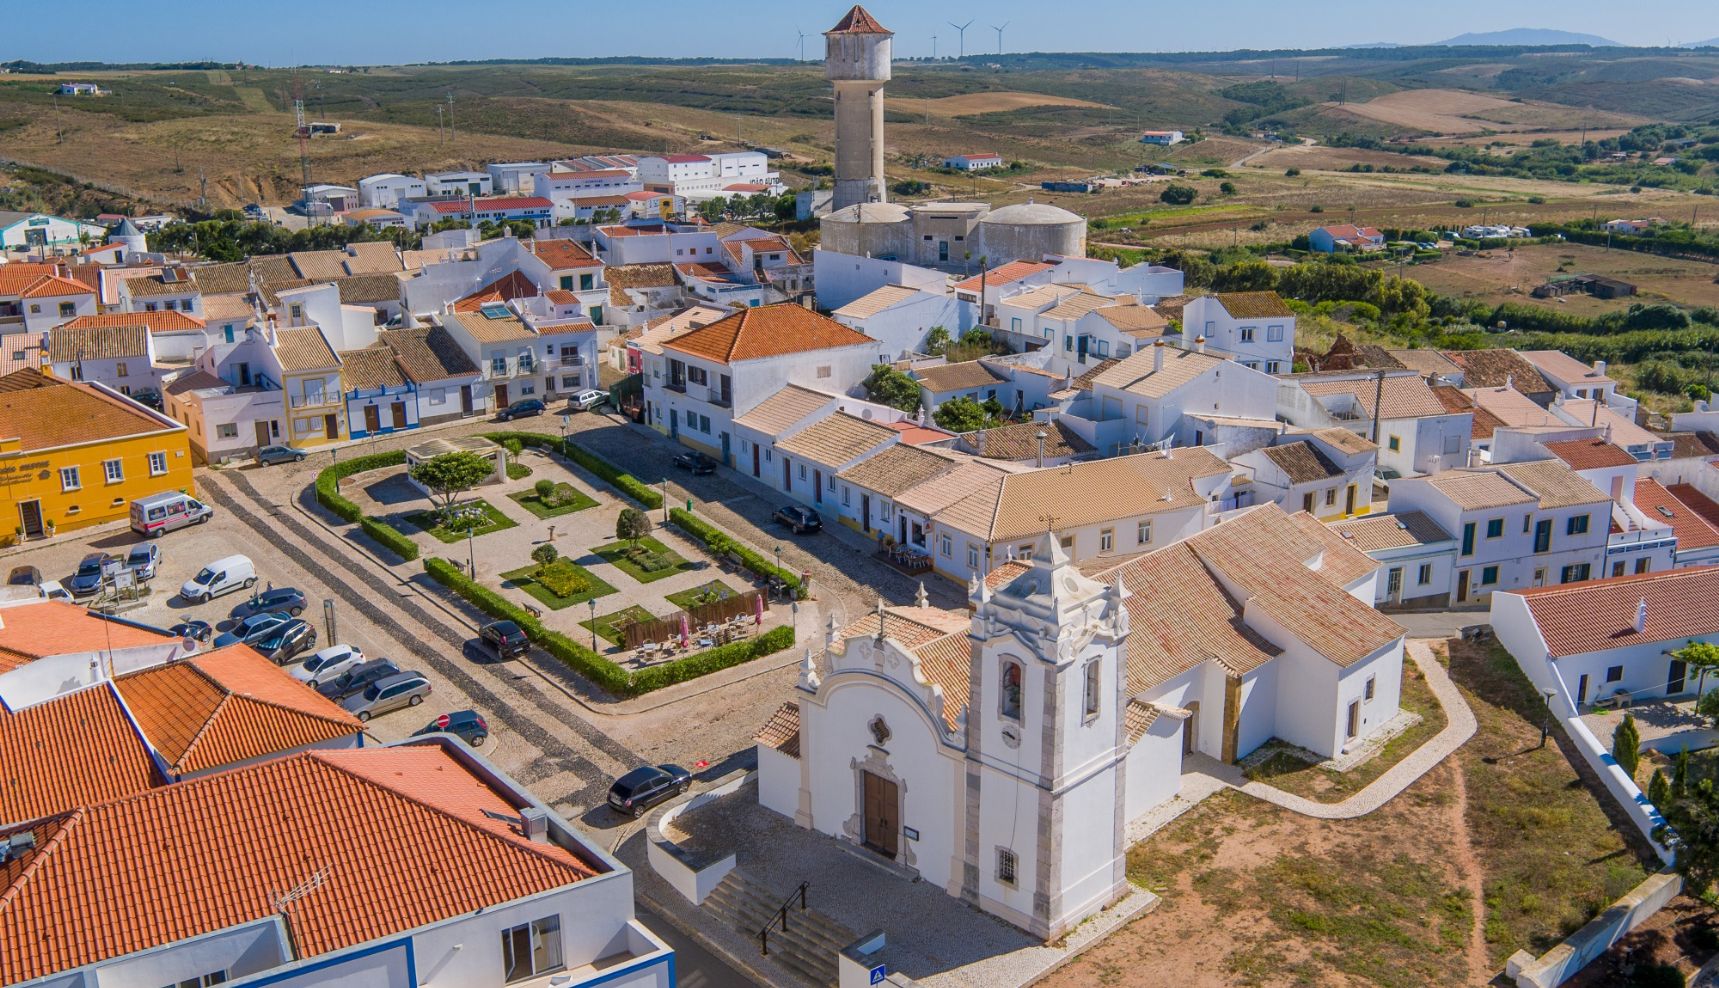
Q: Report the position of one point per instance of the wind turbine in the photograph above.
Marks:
(961, 29)
(999, 31)
(802, 35)
(934, 48)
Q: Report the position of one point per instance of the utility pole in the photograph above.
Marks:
(451, 131)
(441, 132)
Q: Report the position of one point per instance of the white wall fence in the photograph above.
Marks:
(1562, 962)
(692, 878)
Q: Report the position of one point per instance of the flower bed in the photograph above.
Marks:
(563, 499)
(704, 593)
(608, 626)
(485, 518)
(562, 583)
(646, 561)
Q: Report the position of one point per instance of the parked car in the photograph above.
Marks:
(283, 641)
(403, 689)
(92, 572)
(357, 679)
(52, 590)
(507, 638)
(254, 211)
(584, 401)
(24, 576)
(220, 577)
(159, 514)
(288, 599)
(142, 561)
(643, 788)
(252, 627)
(148, 398)
(467, 725)
(523, 408)
(697, 462)
(328, 664)
(268, 456)
(799, 518)
(200, 631)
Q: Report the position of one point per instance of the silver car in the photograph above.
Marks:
(403, 689)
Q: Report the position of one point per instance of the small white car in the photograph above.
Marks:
(52, 590)
(587, 400)
(327, 665)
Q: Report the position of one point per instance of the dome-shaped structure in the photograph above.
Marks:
(1030, 230)
(1032, 214)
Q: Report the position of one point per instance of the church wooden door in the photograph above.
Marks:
(881, 826)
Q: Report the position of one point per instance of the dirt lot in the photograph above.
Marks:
(1499, 276)
(1455, 111)
(1502, 847)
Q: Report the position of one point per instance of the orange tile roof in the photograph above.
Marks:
(561, 254)
(158, 322)
(74, 750)
(218, 851)
(858, 21)
(41, 628)
(54, 286)
(1590, 454)
(19, 275)
(1003, 274)
(766, 331)
(782, 730)
(68, 414)
(228, 706)
(504, 289)
(1693, 518)
(1599, 615)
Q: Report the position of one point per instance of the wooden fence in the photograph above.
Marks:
(664, 628)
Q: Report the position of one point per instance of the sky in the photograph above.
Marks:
(381, 32)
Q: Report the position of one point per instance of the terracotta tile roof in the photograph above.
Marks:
(428, 354)
(565, 328)
(836, 440)
(21, 355)
(1084, 381)
(158, 322)
(1003, 274)
(1254, 305)
(319, 265)
(1083, 302)
(69, 414)
(275, 267)
(939, 492)
(1483, 423)
(1478, 490)
(784, 409)
(1346, 440)
(947, 663)
(707, 271)
(897, 469)
(195, 379)
(664, 328)
(1687, 444)
(507, 329)
(157, 285)
(914, 434)
(74, 750)
(304, 349)
(1404, 396)
(1138, 321)
(1135, 373)
(1019, 441)
(1381, 532)
(1555, 484)
(97, 343)
(1302, 462)
(37, 629)
(1137, 719)
(1589, 454)
(858, 21)
(223, 279)
(54, 286)
(1565, 367)
(945, 378)
(562, 254)
(220, 308)
(767, 331)
(1180, 616)
(782, 730)
(25, 379)
(365, 289)
(504, 289)
(370, 369)
(1512, 409)
(1599, 615)
(214, 852)
(373, 257)
(909, 626)
(228, 706)
(1494, 367)
(879, 300)
(19, 275)
(1694, 520)
(1342, 563)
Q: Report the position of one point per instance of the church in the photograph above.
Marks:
(1000, 752)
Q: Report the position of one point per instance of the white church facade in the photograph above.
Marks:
(1000, 752)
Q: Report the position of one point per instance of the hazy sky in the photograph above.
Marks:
(395, 31)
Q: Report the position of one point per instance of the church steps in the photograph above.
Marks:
(807, 949)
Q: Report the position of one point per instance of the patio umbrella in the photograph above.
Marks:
(685, 631)
(758, 609)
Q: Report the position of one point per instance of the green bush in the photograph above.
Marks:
(626, 483)
(712, 660)
(328, 495)
(545, 554)
(563, 579)
(559, 495)
(543, 487)
(517, 471)
(1658, 976)
(720, 543)
(389, 537)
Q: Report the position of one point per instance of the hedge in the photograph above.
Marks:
(720, 542)
(626, 483)
(328, 495)
(594, 666)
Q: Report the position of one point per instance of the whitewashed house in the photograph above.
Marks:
(1415, 432)
(446, 380)
(1327, 473)
(387, 190)
(1416, 557)
(120, 357)
(901, 317)
(231, 400)
(1148, 398)
(1256, 328)
(1570, 376)
(459, 183)
(54, 300)
(515, 177)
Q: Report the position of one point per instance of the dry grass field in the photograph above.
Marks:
(973, 104)
(1319, 157)
(1457, 112)
(1499, 276)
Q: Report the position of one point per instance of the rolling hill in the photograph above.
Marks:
(1529, 36)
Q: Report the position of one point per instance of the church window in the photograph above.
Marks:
(1092, 688)
(1011, 694)
(1006, 866)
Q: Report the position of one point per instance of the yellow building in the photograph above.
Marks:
(310, 375)
(76, 454)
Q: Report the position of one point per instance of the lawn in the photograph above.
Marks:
(430, 521)
(1291, 774)
(572, 499)
(662, 561)
(608, 626)
(704, 593)
(537, 583)
(517, 471)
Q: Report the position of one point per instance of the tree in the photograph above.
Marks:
(449, 475)
(961, 415)
(1692, 827)
(1680, 775)
(1703, 657)
(888, 386)
(1626, 745)
(632, 525)
(936, 341)
(1227, 188)
(1659, 790)
(1178, 195)
(545, 554)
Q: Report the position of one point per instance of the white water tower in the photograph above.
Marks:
(856, 60)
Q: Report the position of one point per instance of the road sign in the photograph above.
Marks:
(879, 973)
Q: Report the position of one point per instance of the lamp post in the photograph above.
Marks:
(778, 575)
(471, 559)
(1546, 719)
(592, 604)
(665, 501)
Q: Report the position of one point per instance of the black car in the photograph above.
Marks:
(357, 680)
(643, 788)
(284, 641)
(507, 638)
(523, 408)
(194, 630)
(697, 462)
(467, 725)
(799, 519)
(24, 576)
(285, 599)
(148, 399)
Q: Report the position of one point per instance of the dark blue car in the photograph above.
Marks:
(467, 725)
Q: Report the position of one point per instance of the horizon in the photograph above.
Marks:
(379, 35)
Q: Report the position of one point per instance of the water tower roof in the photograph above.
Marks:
(859, 21)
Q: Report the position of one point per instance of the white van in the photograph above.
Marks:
(161, 513)
(219, 577)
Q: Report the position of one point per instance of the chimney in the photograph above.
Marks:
(534, 821)
(1042, 435)
(1509, 381)
(1641, 616)
(1200, 344)
(1157, 356)
(1599, 368)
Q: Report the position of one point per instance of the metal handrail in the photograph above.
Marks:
(782, 917)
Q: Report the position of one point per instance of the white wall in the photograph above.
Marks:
(1154, 768)
(841, 278)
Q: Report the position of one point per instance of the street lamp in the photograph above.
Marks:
(1546, 719)
(778, 579)
(592, 604)
(665, 501)
(471, 559)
